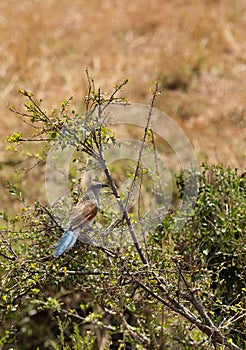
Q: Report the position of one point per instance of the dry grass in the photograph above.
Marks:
(196, 49)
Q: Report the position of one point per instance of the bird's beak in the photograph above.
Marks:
(105, 185)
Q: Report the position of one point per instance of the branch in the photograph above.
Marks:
(90, 273)
(123, 207)
(124, 210)
(111, 98)
(38, 108)
(117, 195)
(142, 145)
(7, 257)
(211, 331)
(191, 297)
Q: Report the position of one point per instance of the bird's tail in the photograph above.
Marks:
(66, 242)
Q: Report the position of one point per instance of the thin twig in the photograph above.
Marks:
(123, 210)
(142, 146)
(191, 297)
(89, 273)
(111, 98)
(7, 257)
(39, 109)
(118, 198)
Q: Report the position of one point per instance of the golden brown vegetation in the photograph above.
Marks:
(196, 49)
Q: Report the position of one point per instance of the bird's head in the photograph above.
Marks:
(96, 186)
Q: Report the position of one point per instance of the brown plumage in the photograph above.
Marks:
(84, 212)
(81, 216)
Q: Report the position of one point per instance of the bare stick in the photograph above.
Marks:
(123, 207)
(142, 145)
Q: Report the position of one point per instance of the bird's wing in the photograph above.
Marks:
(84, 211)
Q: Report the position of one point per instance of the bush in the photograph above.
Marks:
(183, 290)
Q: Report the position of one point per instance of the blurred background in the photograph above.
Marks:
(195, 49)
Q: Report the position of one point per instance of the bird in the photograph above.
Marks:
(83, 213)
